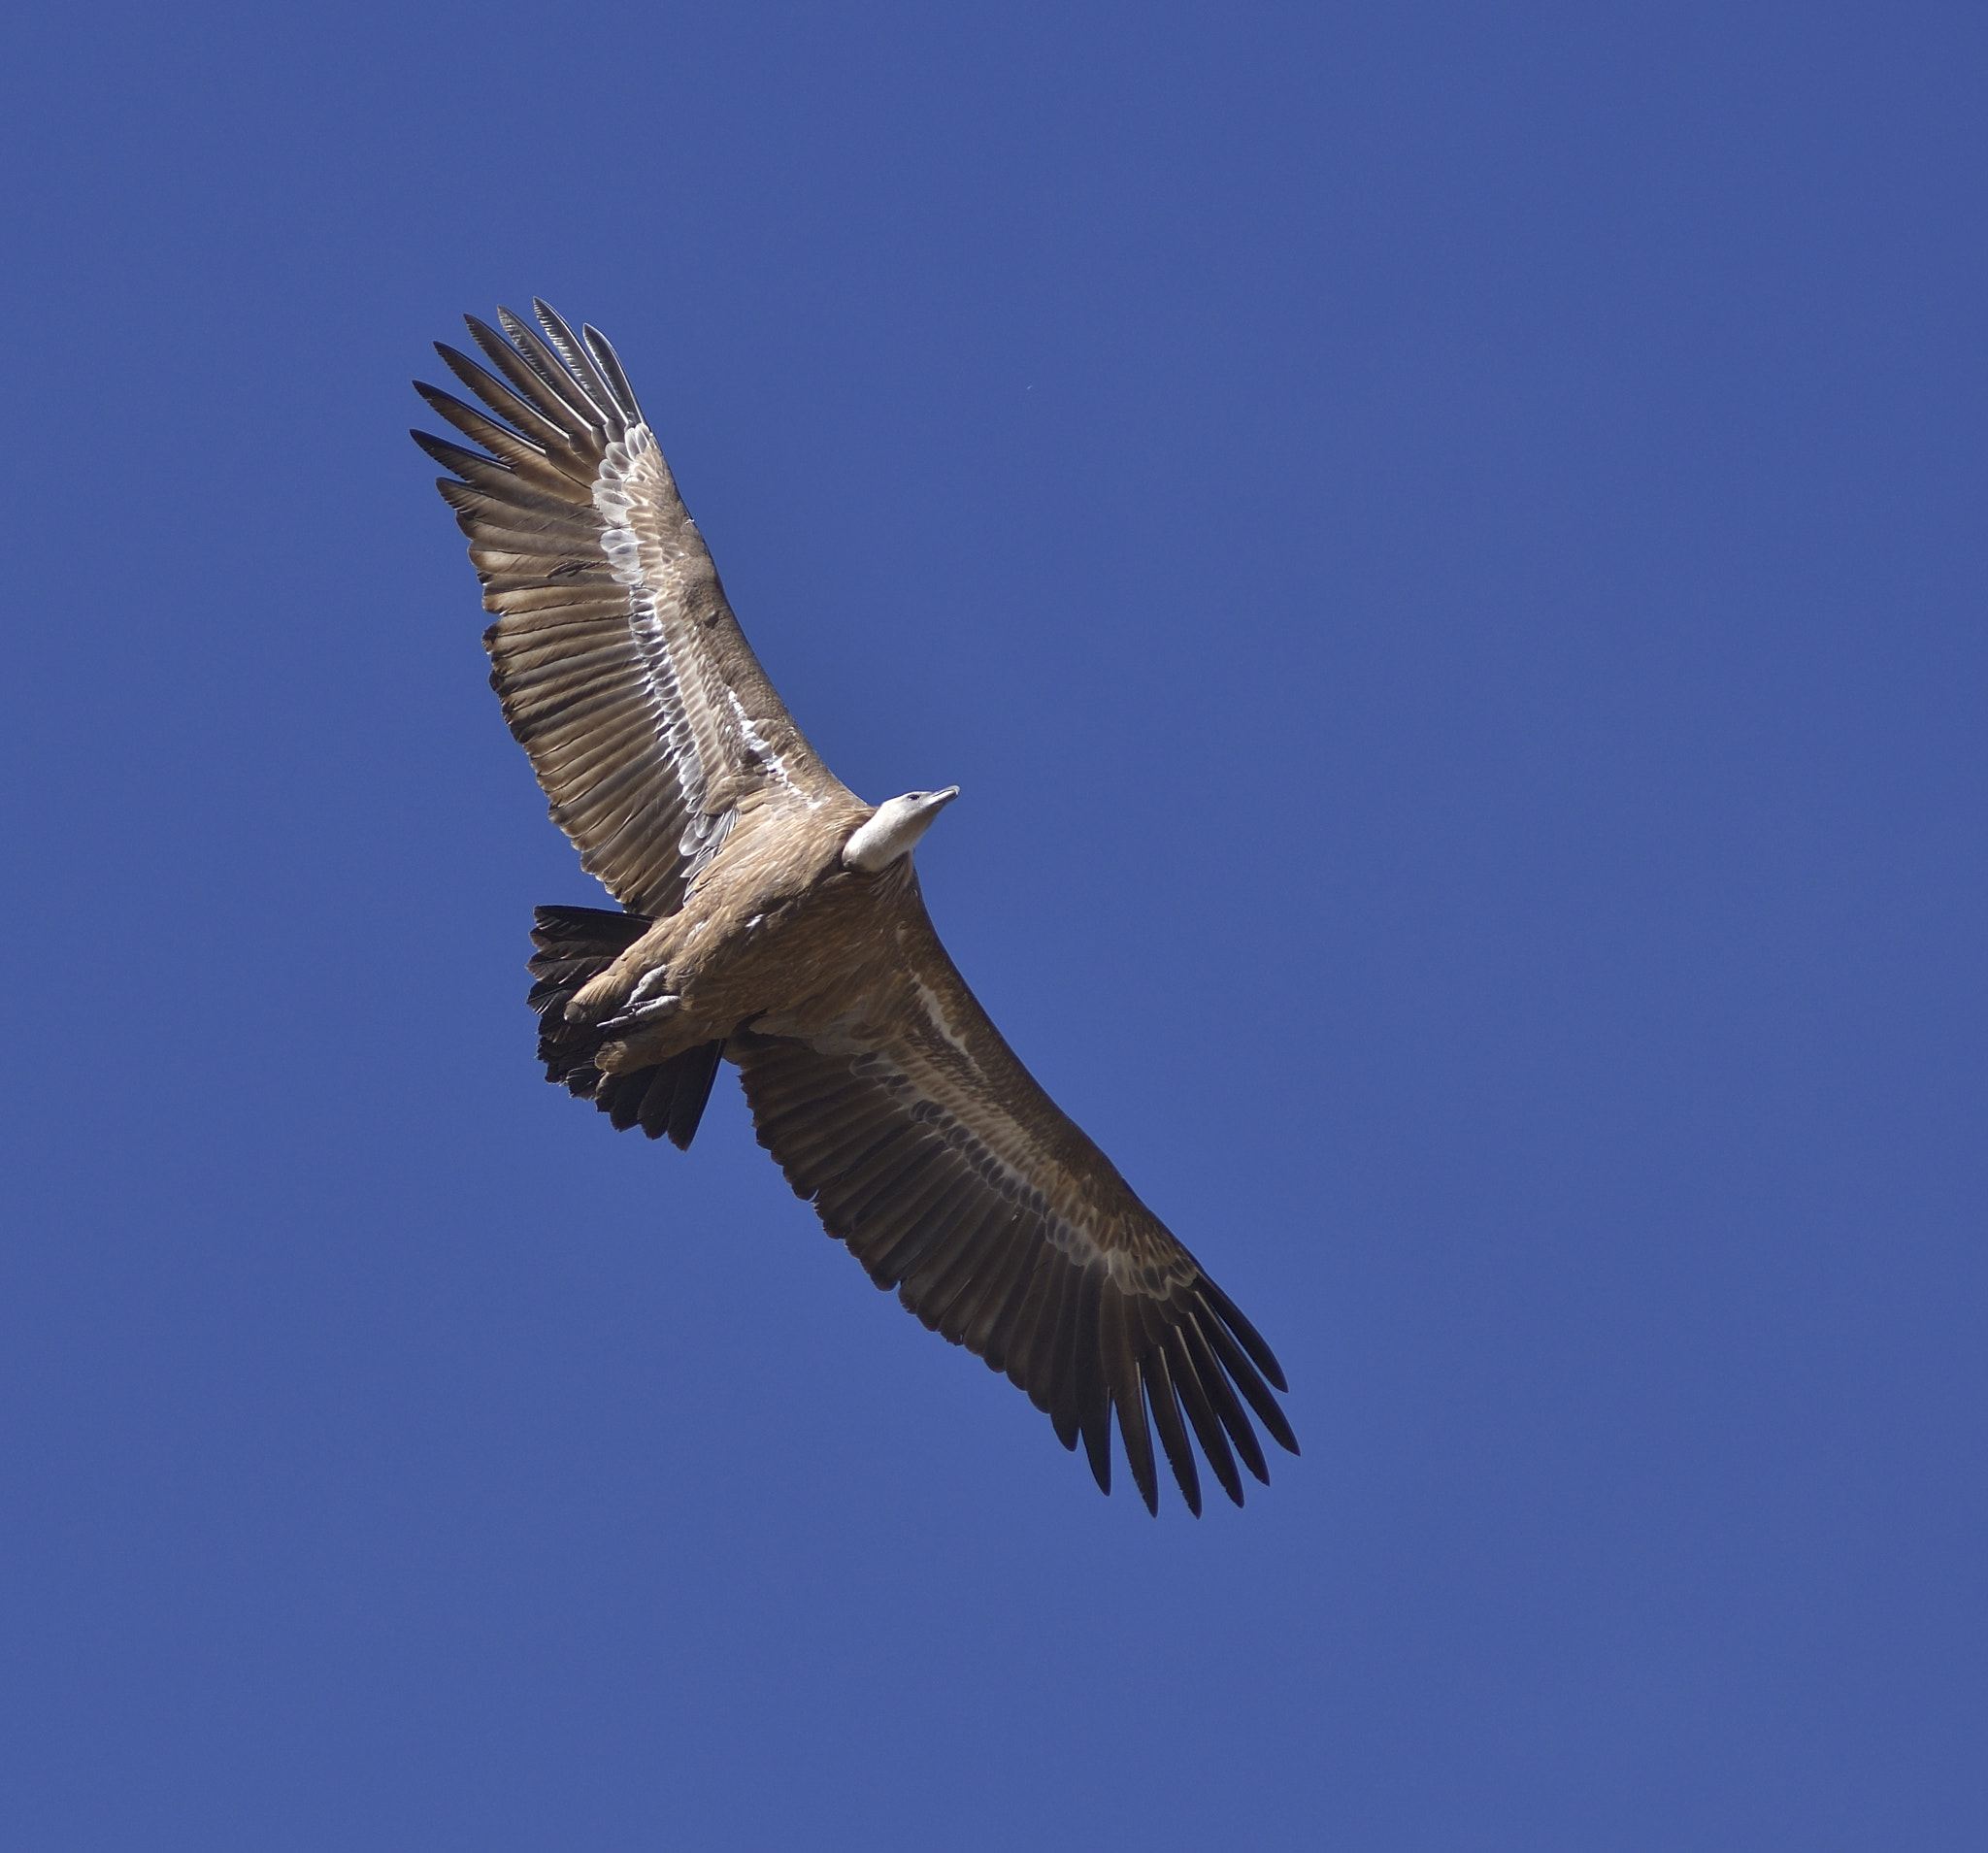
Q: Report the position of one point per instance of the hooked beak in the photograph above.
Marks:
(894, 828)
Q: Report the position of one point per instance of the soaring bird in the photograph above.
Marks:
(771, 919)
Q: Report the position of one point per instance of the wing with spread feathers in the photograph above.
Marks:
(928, 1148)
(622, 671)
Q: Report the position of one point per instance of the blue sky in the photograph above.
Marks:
(1444, 548)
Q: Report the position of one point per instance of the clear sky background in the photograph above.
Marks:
(1445, 546)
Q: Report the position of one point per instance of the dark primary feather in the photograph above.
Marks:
(609, 364)
(576, 358)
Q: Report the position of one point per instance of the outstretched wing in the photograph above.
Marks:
(927, 1148)
(622, 671)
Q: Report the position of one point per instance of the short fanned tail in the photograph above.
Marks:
(666, 1101)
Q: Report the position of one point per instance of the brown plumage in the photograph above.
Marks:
(773, 920)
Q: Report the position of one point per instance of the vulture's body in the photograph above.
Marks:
(772, 918)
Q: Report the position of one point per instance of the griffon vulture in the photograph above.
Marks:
(773, 920)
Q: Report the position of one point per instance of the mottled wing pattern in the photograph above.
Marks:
(928, 1148)
(622, 671)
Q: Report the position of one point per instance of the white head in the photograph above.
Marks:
(896, 826)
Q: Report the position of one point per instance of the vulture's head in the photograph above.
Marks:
(894, 827)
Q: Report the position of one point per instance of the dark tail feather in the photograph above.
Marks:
(576, 943)
(673, 1103)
